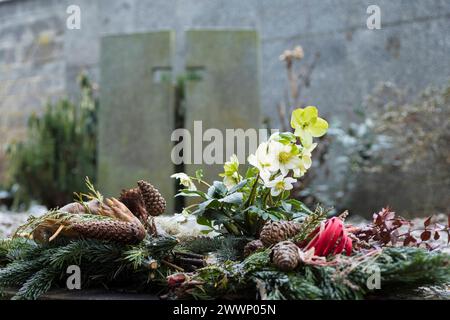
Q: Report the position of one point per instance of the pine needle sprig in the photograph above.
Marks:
(14, 249)
(38, 284)
(93, 194)
(42, 266)
(399, 267)
(16, 273)
(311, 222)
(225, 248)
(56, 217)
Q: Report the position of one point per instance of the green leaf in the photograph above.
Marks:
(298, 206)
(216, 217)
(276, 215)
(199, 174)
(238, 187)
(218, 190)
(287, 137)
(205, 205)
(251, 172)
(234, 198)
(286, 206)
(263, 214)
(191, 193)
(204, 222)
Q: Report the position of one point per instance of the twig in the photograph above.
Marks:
(56, 233)
(172, 265)
(195, 262)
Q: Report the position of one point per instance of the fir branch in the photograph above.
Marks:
(39, 267)
(14, 249)
(38, 284)
(346, 280)
(225, 248)
(16, 273)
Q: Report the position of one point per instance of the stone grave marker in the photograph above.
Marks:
(225, 91)
(136, 112)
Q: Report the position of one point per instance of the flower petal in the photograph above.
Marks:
(318, 128)
(348, 246)
(296, 118)
(305, 137)
(275, 192)
(288, 186)
(310, 113)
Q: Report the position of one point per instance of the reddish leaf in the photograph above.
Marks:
(436, 235)
(397, 223)
(378, 220)
(389, 215)
(427, 222)
(408, 240)
(394, 237)
(426, 235)
(385, 236)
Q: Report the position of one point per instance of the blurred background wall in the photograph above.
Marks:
(40, 58)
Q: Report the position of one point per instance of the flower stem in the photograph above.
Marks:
(200, 181)
(252, 196)
(191, 206)
(265, 197)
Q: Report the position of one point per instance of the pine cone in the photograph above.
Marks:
(285, 255)
(114, 230)
(252, 246)
(132, 199)
(154, 201)
(122, 226)
(274, 232)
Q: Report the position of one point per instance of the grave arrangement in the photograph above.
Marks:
(256, 242)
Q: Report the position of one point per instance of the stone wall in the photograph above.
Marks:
(40, 58)
(32, 65)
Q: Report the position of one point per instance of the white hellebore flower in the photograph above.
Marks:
(231, 175)
(262, 160)
(280, 184)
(305, 161)
(285, 157)
(185, 180)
